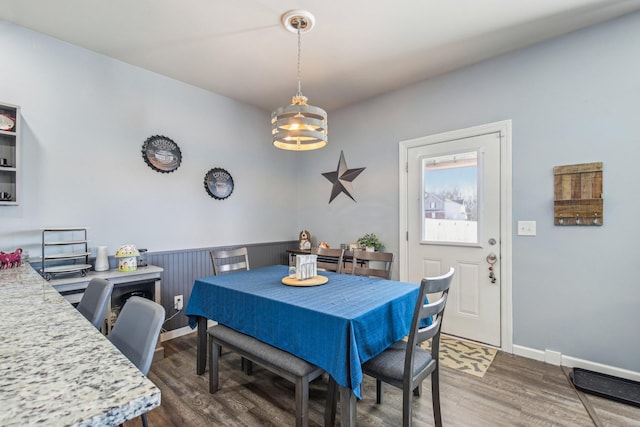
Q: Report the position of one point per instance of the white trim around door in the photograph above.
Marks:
(504, 128)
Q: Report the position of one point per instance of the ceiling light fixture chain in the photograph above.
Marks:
(299, 67)
(299, 126)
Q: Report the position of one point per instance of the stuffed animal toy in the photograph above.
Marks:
(11, 260)
(304, 240)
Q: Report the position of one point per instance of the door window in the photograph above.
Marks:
(450, 202)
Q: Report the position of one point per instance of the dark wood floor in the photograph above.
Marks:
(514, 392)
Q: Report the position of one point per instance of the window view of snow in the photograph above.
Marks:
(450, 202)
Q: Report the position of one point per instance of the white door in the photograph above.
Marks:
(453, 220)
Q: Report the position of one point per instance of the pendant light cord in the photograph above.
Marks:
(299, 93)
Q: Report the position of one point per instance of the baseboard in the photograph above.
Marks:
(553, 357)
(185, 330)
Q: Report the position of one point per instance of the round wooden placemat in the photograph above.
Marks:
(313, 281)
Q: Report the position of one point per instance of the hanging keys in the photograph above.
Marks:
(492, 259)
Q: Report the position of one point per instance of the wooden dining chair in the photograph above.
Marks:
(226, 261)
(361, 265)
(229, 260)
(329, 259)
(406, 364)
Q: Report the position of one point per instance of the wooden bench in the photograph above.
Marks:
(284, 364)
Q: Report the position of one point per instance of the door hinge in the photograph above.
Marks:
(407, 236)
(406, 167)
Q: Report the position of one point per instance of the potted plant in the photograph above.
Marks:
(371, 242)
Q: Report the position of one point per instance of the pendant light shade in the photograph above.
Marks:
(299, 126)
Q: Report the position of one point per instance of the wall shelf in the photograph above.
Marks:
(10, 156)
(578, 195)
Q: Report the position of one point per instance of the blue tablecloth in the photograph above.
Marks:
(336, 326)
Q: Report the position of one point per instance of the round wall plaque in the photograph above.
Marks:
(161, 154)
(6, 122)
(218, 183)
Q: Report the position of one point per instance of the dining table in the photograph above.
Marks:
(56, 368)
(336, 326)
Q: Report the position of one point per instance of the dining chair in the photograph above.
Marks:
(418, 363)
(136, 333)
(226, 261)
(329, 259)
(405, 364)
(229, 260)
(361, 265)
(95, 300)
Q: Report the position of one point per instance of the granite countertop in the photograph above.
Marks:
(56, 369)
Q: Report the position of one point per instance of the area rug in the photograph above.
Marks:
(464, 356)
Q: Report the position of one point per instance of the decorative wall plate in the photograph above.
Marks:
(218, 183)
(161, 154)
(6, 122)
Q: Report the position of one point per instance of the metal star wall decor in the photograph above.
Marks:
(342, 179)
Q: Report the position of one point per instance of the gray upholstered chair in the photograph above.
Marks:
(362, 264)
(136, 333)
(405, 364)
(229, 260)
(329, 259)
(95, 301)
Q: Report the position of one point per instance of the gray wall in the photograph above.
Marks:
(572, 100)
(182, 268)
(85, 118)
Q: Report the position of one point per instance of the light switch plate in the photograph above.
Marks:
(526, 228)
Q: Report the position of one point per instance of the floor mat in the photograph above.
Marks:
(464, 356)
(607, 386)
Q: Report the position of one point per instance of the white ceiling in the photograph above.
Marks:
(357, 49)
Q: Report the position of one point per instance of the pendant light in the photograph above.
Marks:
(299, 126)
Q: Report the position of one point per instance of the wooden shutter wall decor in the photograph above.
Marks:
(578, 194)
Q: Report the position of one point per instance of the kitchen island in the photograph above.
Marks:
(56, 369)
